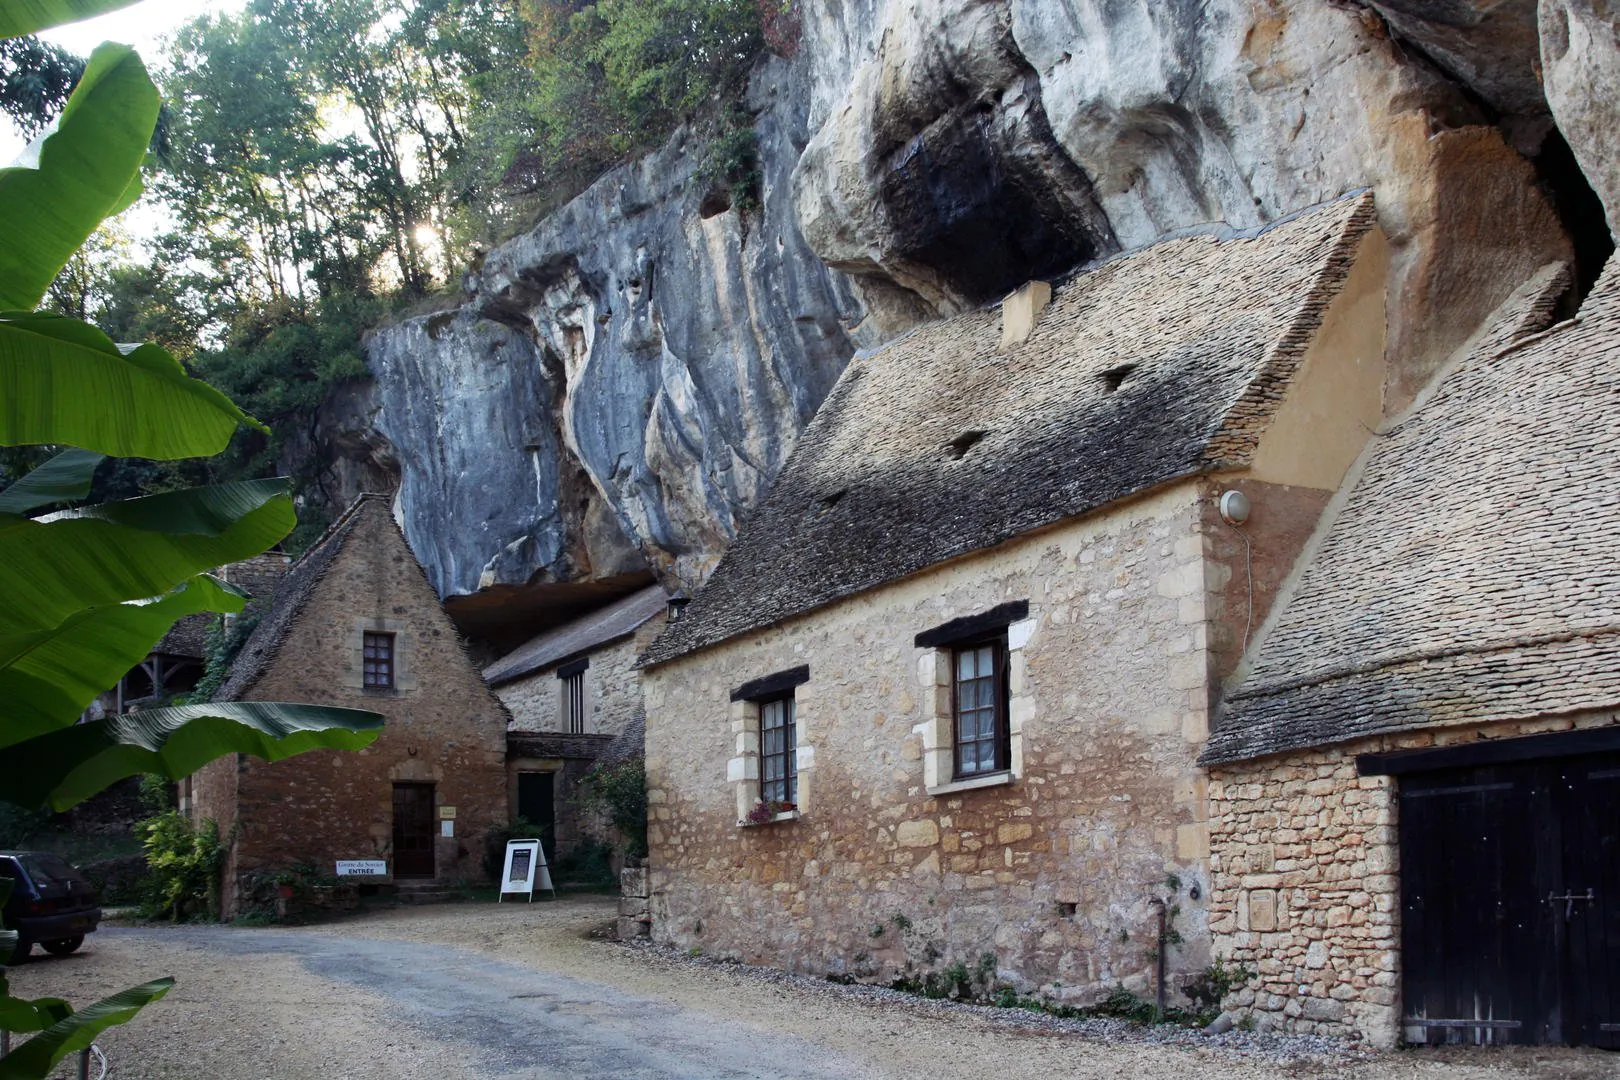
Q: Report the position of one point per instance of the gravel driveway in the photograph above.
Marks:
(493, 991)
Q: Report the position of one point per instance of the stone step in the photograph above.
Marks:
(429, 892)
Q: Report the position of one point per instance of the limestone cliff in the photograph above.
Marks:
(620, 385)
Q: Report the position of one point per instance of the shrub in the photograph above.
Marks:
(495, 844)
(621, 790)
(183, 864)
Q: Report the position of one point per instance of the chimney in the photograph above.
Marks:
(1020, 311)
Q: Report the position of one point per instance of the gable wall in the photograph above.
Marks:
(612, 694)
(876, 877)
(448, 730)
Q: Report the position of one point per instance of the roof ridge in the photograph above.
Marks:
(338, 522)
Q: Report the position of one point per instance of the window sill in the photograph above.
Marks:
(996, 779)
(786, 815)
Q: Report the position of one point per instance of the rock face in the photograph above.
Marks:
(621, 384)
(1580, 57)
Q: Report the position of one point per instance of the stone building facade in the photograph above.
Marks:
(440, 758)
(1032, 490)
(1387, 854)
(574, 695)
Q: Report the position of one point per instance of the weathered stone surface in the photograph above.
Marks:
(876, 877)
(622, 381)
(658, 364)
(1580, 60)
(1305, 892)
(1489, 46)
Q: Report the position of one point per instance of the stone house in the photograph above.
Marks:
(574, 695)
(356, 624)
(942, 701)
(1415, 785)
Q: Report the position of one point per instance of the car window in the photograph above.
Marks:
(8, 869)
(47, 870)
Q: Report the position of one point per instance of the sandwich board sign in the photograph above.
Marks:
(525, 869)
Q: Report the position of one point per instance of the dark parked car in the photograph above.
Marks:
(51, 903)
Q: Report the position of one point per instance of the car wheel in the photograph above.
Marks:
(63, 946)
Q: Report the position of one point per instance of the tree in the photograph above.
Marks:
(85, 593)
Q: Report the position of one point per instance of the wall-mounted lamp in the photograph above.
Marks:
(1234, 507)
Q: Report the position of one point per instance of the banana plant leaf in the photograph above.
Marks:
(64, 381)
(36, 1057)
(64, 478)
(47, 679)
(21, 1016)
(62, 768)
(54, 567)
(86, 168)
(19, 17)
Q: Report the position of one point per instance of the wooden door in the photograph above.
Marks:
(413, 831)
(1590, 792)
(1510, 902)
(537, 804)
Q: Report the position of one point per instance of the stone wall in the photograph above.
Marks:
(449, 730)
(1056, 873)
(612, 694)
(1305, 882)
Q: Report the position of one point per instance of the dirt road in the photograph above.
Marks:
(520, 991)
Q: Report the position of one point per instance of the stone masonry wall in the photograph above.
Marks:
(1055, 874)
(1305, 881)
(612, 694)
(448, 730)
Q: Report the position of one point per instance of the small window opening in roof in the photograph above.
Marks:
(958, 447)
(1115, 377)
(827, 502)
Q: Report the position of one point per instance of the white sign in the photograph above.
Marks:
(362, 868)
(525, 869)
(447, 828)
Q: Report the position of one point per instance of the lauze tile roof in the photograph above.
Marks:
(1473, 572)
(1156, 365)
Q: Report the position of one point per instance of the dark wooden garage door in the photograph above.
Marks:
(1510, 902)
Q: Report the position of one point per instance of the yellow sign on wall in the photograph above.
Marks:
(447, 813)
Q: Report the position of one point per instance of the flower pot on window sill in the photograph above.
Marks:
(757, 818)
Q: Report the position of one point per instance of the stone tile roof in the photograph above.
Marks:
(602, 626)
(188, 637)
(260, 649)
(1155, 365)
(1473, 572)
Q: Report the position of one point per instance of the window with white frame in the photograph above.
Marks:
(972, 668)
(778, 765)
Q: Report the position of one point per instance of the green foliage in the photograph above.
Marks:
(621, 790)
(281, 364)
(88, 169)
(20, 17)
(220, 645)
(183, 865)
(90, 591)
(63, 1032)
(19, 824)
(1211, 986)
(156, 794)
(588, 865)
(615, 76)
(35, 80)
(495, 844)
(732, 162)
